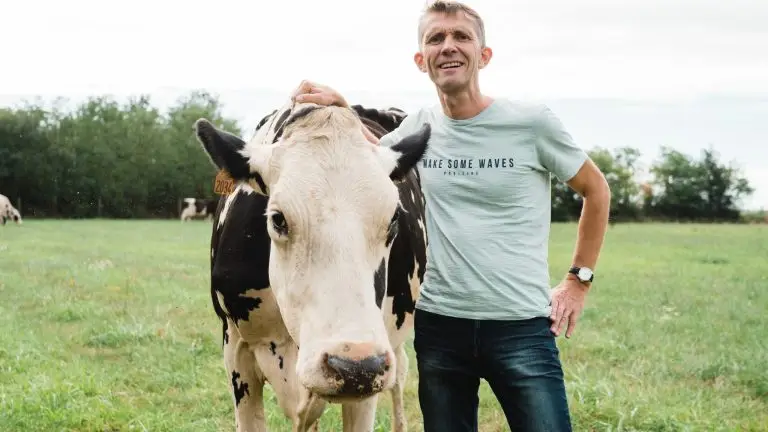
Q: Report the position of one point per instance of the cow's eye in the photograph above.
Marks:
(279, 224)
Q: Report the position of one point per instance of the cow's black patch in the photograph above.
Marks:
(272, 348)
(280, 124)
(386, 120)
(264, 119)
(241, 255)
(260, 181)
(298, 115)
(412, 148)
(379, 280)
(280, 360)
(393, 226)
(408, 247)
(239, 390)
(239, 307)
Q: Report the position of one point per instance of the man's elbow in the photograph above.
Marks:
(599, 190)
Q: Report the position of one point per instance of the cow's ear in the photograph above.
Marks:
(404, 155)
(226, 150)
(229, 152)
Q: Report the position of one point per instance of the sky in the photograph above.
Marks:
(683, 73)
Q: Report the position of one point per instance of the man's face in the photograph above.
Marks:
(451, 52)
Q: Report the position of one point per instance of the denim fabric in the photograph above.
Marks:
(519, 360)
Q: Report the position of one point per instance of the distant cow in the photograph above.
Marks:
(198, 208)
(321, 246)
(8, 212)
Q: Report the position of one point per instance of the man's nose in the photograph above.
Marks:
(449, 46)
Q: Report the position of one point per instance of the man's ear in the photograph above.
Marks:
(229, 153)
(485, 56)
(418, 58)
(404, 155)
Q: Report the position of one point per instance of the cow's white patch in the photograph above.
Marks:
(228, 204)
(220, 299)
(423, 229)
(414, 281)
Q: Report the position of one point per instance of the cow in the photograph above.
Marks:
(8, 212)
(198, 208)
(317, 259)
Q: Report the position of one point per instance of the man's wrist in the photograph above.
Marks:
(573, 277)
(581, 274)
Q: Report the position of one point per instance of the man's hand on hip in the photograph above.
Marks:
(567, 303)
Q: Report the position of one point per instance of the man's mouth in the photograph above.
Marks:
(450, 65)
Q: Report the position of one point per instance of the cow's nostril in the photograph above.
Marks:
(366, 367)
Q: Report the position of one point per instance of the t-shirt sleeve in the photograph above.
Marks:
(556, 149)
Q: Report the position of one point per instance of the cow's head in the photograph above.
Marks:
(332, 216)
(10, 213)
(16, 216)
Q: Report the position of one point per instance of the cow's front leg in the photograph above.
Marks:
(359, 416)
(245, 382)
(399, 423)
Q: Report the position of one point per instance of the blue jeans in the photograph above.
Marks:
(518, 359)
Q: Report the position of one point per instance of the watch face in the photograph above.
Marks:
(585, 274)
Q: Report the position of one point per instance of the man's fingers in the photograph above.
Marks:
(563, 314)
(304, 87)
(316, 98)
(558, 309)
(553, 310)
(571, 324)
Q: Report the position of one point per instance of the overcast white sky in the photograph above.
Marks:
(574, 54)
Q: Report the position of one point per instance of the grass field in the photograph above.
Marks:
(107, 326)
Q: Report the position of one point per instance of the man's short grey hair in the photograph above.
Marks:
(450, 7)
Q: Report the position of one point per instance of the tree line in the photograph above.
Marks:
(112, 160)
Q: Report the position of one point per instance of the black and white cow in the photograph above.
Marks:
(322, 246)
(8, 211)
(198, 208)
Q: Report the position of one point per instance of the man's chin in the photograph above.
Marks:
(451, 86)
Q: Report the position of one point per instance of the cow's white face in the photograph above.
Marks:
(332, 215)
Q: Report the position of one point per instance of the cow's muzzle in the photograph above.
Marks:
(356, 371)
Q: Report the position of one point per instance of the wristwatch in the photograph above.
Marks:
(583, 273)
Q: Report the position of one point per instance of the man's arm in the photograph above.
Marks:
(562, 157)
(590, 183)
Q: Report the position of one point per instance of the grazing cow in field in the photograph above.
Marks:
(8, 212)
(317, 259)
(198, 208)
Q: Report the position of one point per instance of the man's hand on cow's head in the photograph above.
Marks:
(310, 92)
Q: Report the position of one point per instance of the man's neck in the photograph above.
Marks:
(464, 105)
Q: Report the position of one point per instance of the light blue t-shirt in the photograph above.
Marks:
(486, 182)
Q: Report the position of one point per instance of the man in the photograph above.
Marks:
(486, 310)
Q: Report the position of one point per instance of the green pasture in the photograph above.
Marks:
(106, 325)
